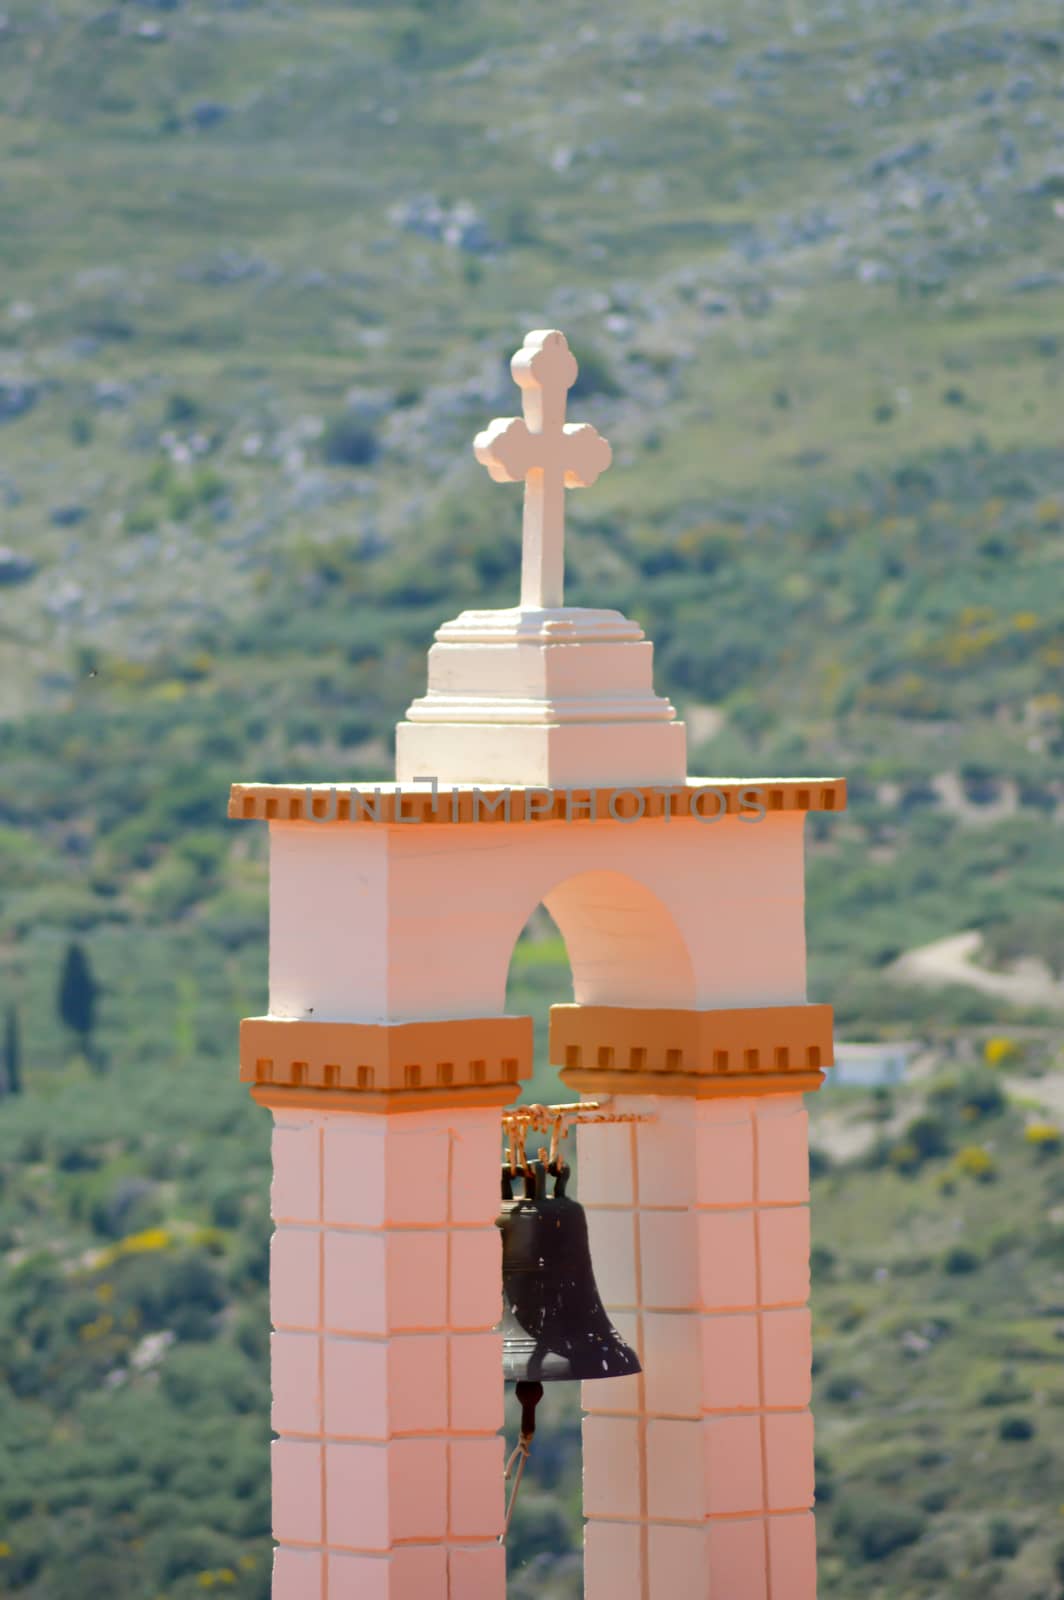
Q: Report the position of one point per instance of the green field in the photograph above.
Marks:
(262, 265)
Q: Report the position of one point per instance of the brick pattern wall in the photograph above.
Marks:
(387, 1379)
(698, 1473)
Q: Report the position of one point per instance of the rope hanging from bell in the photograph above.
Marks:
(529, 1394)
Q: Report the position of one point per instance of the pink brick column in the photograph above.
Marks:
(698, 1474)
(385, 1284)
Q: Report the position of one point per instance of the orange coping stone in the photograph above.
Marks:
(385, 1066)
(748, 1050)
(753, 798)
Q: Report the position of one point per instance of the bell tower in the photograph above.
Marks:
(540, 766)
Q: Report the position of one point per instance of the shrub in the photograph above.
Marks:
(1006, 1390)
(1016, 1428)
(976, 1094)
(1003, 1542)
(235, 917)
(929, 1135)
(980, 1096)
(140, 519)
(851, 1315)
(931, 1565)
(128, 1207)
(226, 1205)
(944, 1089)
(73, 1153)
(181, 408)
(821, 1263)
(976, 1162)
(905, 1156)
(212, 1381)
(925, 1138)
(251, 1518)
(825, 1484)
(160, 1510)
(1044, 1137)
(819, 1162)
(841, 1388)
(252, 1336)
(179, 1552)
(876, 1527)
(348, 442)
(959, 1260)
(182, 1292)
(594, 376)
(182, 493)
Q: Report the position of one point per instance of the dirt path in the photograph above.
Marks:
(952, 960)
(1046, 1093)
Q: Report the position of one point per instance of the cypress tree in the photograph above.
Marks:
(77, 993)
(12, 1054)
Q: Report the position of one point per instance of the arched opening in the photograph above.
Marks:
(624, 947)
(599, 938)
(539, 977)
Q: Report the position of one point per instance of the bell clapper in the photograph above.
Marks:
(529, 1394)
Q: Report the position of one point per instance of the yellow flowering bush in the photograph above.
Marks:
(997, 1051)
(976, 1162)
(98, 1329)
(135, 1244)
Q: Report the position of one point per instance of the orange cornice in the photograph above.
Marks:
(742, 1051)
(377, 1066)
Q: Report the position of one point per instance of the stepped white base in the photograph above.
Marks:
(559, 697)
(559, 756)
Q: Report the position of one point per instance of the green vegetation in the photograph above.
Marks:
(937, 1329)
(263, 264)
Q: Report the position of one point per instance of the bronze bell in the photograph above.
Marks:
(554, 1325)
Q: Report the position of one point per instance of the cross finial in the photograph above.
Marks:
(550, 454)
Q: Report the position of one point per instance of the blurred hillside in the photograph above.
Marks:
(262, 266)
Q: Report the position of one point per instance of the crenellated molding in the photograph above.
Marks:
(749, 1050)
(366, 1066)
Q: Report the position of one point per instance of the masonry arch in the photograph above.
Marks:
(623, 944)
(620, 946)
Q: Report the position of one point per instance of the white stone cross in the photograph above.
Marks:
(550, 454)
